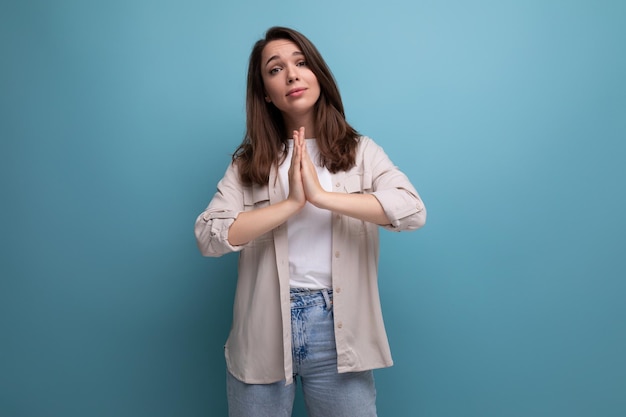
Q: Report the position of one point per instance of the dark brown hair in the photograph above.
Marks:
(265, 138)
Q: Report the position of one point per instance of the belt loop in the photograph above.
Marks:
(326, 299)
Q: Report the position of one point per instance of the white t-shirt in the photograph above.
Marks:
(309, 231)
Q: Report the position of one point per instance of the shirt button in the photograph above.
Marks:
(338, 290)
(337, 254)
(339, 325)
(338, 185)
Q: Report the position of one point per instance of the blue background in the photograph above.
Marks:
(118, 118)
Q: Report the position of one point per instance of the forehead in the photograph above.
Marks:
(279, 48)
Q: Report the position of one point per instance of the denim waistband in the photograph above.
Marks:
(304, 297)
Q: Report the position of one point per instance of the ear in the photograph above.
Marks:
(267, 99)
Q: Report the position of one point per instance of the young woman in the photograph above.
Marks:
(302, 202)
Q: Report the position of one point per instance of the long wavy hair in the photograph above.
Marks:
(264, 144)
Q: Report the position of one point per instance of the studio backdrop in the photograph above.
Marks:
(118, 118)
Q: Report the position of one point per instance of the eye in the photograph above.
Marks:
(302, 64)
(275, 70)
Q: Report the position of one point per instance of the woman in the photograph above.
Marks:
(304, 214)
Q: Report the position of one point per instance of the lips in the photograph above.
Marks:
(296, 91)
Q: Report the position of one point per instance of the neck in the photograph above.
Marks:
(292, 124)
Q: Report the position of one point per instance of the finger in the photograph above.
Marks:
(305, 152)
(294, 161)
(297, 149)
(296, 139)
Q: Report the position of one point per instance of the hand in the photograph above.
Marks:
(312, 188)
(296, 188)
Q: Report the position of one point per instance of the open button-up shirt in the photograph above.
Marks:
(258, 349)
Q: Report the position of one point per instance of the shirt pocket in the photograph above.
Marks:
(255, 197)
(360, 183)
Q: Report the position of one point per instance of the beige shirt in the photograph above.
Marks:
(258, 349)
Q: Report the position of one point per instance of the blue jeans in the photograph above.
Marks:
(327, 393)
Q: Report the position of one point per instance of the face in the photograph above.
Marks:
(289, 83)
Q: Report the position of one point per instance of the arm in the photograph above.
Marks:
(251, 224)
(211, 227)
(225, 226)
(361, 206)
(399, 199)
(393, 202)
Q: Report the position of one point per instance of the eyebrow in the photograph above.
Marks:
(296, 53)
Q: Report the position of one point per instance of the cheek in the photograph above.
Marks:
(271, 91)
(316, 86)
(313, 82)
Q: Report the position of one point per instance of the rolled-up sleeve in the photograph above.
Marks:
(211, 227)
(397, 196)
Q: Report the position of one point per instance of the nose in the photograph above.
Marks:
(292, 74)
